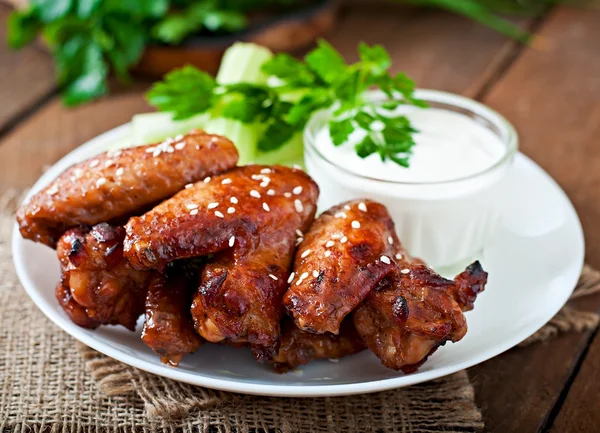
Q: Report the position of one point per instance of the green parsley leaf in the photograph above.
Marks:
(326, 62)
(289, 70)
(185, 92)
(23, 27)
(340, 131)
(375, 59)
(51, 10)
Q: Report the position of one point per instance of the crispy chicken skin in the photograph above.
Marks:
(97, 286)
(121, 183)
(300, 347)
(169, 329)
(338, 264)
(249, 218)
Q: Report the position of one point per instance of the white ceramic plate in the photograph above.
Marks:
(534, 264)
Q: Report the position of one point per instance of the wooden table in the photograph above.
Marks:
(551, 94)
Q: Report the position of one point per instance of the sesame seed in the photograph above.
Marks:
(226, 181)
(149, 150)
(299, 233)
(298, 205)
(405, 271)
(271, 192)
(119, 171)
(170, 149)
(180, 146)
(255, 193)
(344, 239)
(355, 224)
(304, 275)
(194, 212)
(398, 256)
(191, 206)
(336, 236)
(256, 177)
(297, 190)
(334, 360)
(273, 277)
(230, 210)
(266, 207)
(287, 194)
(94, 163)
(315, 274)
(178, 137)
(108, 163)
(362, 207)
(189, 185)
(299, 241)
(52, 190)
(266, 170)
(101, 181)
(347, 207)
(327, 253)
(264, 184)
(341, 215)
(291, 277)
(231, 241)
(212, 205)
(219, 214)
(385, 259)
(296, 167)
(233, 200)
(329, 244)
(390, 240)
(305, 254)
(114, 153)
(156, 152)
(299, 281)
(207, 179)
(78, 172)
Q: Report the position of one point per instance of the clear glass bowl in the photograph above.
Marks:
(447, 223)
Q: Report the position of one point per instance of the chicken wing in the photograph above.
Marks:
(346, 253)
(97, 286)
(117, 184)
(300, 347)
(249, 218)
(169, 329)
(406, 319)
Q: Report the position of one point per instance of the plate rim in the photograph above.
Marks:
(274, 390)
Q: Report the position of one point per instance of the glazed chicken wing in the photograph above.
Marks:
(345, 254)
(169, 329)
(97, 286)
(117, 184)
(401, 308)
(300, 347)
(404, 320)
(249, 218)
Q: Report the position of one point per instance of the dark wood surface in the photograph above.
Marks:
(551, 94)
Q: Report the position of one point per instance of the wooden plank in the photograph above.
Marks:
(435, 48)
(552, 98)
(579, 412)
(27, 77)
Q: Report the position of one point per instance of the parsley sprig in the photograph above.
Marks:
(296, 90)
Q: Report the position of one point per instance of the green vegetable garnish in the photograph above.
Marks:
(295, 90)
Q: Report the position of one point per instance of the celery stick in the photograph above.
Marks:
(293, 150)
(153, 127)
(241, 63)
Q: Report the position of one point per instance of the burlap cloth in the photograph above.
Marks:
(51, 383)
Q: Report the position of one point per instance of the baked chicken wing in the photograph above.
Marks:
(346, 253)
(300, 347)
(115, 185)
(249, 218)
(97, 285)
(169, 329)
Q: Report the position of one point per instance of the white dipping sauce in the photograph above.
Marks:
(445, 204)
(449, 146)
